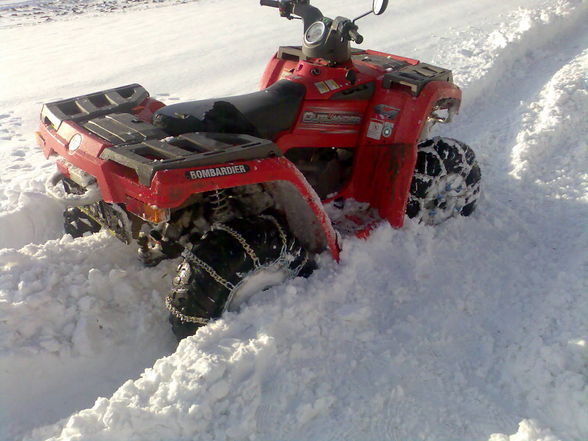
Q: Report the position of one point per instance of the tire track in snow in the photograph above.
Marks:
(559, 367)
(527, 113)
(479, 64)
(546, 133)
(9, 125)
(499, 111)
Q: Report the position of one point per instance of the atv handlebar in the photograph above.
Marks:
(355, 36)
(329, 41)
(295, 9)
(270, 3)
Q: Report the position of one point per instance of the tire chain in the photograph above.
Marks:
(183, 317)
(284, 239)
(191, 257)
(281, 232)
(430, 149)
(240, 239)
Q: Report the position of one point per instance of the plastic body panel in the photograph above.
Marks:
(171, 188)
(392, 118)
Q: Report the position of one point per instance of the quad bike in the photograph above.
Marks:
(247, 189)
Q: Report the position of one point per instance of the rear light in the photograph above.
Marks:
(147, 212)
(39, 139)
(155, 214)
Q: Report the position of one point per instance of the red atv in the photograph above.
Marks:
(248, 188)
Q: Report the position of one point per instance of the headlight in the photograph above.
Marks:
(75, 142)
(315, 33)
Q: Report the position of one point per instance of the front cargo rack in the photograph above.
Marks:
(416, 77)
(85, 107)
(188, 150)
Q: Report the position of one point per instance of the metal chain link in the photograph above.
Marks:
(280, 232)
(189, 255)
(241, 240)
(183, 317)
(294, 272)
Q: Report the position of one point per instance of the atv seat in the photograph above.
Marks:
(263, 114)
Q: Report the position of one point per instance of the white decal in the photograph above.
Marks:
(375, 130)
(217, 171)
(331, 118)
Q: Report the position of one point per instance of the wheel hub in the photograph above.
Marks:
(443, 200)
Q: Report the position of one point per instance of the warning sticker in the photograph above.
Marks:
(375, 130)
(332, 84)
(322, 87)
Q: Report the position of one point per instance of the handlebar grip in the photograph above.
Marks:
(355, 36)
(271, 3)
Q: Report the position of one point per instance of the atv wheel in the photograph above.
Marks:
(446, 181)
(78, 224)
(227, 265)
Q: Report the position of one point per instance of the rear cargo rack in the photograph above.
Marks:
(83, 108)
(188, 150)
(123, 128)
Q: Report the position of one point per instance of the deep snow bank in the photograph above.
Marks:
(77, 318)
(456, 332)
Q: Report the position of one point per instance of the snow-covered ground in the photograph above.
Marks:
(474, 330)
(27, 12)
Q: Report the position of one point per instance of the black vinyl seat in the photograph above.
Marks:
(263, 114)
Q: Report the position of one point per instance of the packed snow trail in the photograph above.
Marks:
(473, 328)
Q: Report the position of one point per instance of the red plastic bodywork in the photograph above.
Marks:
(382, 170)
(170, 188)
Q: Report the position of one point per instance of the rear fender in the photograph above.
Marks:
(172, 188)
(290, 190)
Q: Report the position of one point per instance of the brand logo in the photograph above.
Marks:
(345, 118)
(217, 171)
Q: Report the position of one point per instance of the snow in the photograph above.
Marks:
(30, 12)
(473, 330)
